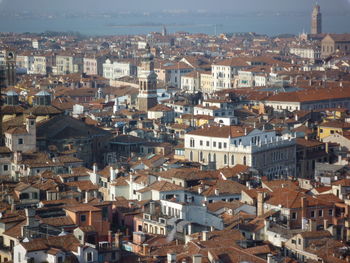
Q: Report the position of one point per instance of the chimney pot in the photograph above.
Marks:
(145, 249)
(205, 236)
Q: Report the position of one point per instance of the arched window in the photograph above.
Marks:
(209, 157)
(191, 156)
(214, 157)
(225, 159)
(244, 160)
(201, 156)
(232, 160)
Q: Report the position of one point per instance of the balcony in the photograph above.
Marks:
(107, 247)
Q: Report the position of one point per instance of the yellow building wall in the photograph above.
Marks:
(323, 132)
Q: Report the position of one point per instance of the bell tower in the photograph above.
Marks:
(147, 97)
(316, 20)
(7, 78)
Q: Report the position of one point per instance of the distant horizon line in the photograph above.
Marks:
(166, 12)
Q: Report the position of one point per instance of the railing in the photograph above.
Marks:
(107, 247)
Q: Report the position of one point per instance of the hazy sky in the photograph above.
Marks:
(159, 5)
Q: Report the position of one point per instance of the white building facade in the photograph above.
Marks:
(227, 146)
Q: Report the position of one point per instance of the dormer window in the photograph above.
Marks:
(83, 218)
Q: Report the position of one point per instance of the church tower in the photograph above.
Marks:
(316, 21)
(164, 31)
(147, 97)
(7, 78)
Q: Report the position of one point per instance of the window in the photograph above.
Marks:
(105, 212)
(207, 143)
(20, 141)
(6, 167)
(59, 259)
(294, 216)
(82, 218)
(19, 257)
(89, 257)
(214, 144)
(312, 213)
(24, 196)
(330, 212)
(201, 143)
(225, 145)
(232, 159)
(320, 213)
(220, 145)
(192, 144)
(299, 241)
(225, 159)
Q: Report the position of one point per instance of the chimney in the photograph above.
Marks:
(248, 185)
(312, 225)
(110, 237)
(296, 117)
(30, 217)
(325, 224)
(197, 258)
(171, 258)
(339, 159)
(145, 249)
(189, 229)
(269, 258)
(304, 205)
(217, 192)
(17, 157)
(117, 240)
(86, 197)
(260, 204)
(94, 168)
(204, 235)
(111, 174)
(80, 252)
(200, 189)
